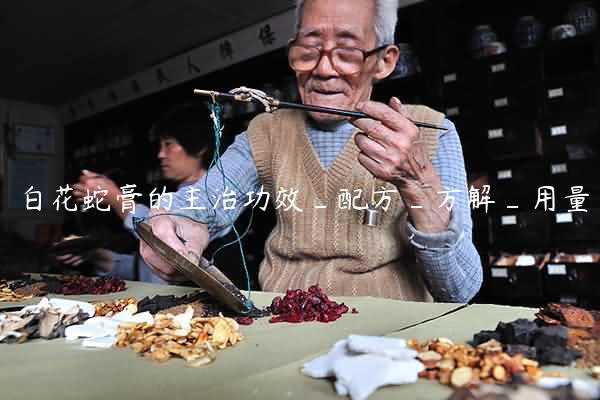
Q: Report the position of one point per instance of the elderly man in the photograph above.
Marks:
(420, 250)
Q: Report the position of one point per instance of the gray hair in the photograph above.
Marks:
(386, 17)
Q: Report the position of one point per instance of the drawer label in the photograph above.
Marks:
(557, 92)
(584, 258)
(505, 174)
(509, 220)
(563, 218)
(558, 130)
(453, 111)
(559, 168)
(495, 133)
(499, 273)
(502, 102)
(557, 269)
(448, 78)
(498, 67)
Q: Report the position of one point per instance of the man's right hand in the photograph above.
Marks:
(188, 238)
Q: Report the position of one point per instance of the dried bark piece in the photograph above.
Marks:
(576, 317)
(547, 319)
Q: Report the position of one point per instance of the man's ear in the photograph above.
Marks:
(386, 62)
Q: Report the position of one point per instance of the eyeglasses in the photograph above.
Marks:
(345, 60)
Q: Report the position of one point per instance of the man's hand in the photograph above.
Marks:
(90, 182)
(183, 235)
(392, 151)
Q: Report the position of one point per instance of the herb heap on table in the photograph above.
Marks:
(26, 287)
(461, 365)
(311, 305)
(43, 320)
(582, 329)
(193, 339)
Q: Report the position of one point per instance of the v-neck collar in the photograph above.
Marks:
(327, 180)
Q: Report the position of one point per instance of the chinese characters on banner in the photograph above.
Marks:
(286, 199)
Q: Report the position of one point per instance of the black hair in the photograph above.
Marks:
(189, 124)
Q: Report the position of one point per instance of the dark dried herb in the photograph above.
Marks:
(158, 303)
(548, 344)
(527, 351)
(485, 336)
(519, 331)
(557, 356)
(210, 306)
(550, 336)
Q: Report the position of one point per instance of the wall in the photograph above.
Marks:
(23, 221)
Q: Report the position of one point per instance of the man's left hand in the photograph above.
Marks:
(392, 151)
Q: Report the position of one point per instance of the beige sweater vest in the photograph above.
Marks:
(331, 246)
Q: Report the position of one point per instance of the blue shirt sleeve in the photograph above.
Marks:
(451, 264)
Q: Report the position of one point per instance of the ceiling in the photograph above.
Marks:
(54, 51)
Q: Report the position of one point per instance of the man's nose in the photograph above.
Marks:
(324, 68)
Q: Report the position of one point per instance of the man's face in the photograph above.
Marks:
(175, 163)
(329, 24)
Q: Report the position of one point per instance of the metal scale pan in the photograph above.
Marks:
(205, 275)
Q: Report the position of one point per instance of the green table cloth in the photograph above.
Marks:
(265, 365)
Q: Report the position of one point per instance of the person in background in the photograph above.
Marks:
(186, 150)
(421, 249)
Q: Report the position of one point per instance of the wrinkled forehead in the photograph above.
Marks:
(341, 19)
(328, 29)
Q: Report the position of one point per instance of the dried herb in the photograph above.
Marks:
(311, 305)
(79, 284)
(548, 344)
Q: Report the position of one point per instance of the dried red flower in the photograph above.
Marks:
(311, 305)
(245, 320)
(78, 284)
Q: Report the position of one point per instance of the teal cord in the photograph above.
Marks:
(217, 162)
